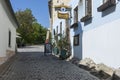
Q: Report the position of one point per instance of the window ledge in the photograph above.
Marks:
(59, 34)
(74, 25)
(106, 5)
(85, 18)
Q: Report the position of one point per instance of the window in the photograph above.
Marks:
(76, 40)
(61, 27)
(88, 7)
(88, 11)
(57, 29)
(9, 42)
(76, 15)
(54, 31)
(57, 1)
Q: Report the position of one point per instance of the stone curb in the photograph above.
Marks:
(5, 66)
(101, 71)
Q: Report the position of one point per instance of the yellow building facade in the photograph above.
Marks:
(53, 12)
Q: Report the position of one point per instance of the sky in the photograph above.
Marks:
(39, 9)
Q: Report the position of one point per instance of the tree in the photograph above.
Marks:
(30, 31)
(39, 33)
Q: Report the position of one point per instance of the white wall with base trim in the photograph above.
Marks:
(102, 44)
(7, 24)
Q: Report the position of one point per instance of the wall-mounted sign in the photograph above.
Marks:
(62, 7)
(63, 11)
(63, 15)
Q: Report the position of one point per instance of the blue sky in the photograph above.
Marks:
(39, 9)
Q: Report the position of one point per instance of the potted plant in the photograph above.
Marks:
(55, 49)
(62, 45)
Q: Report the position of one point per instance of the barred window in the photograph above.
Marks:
(57, 30)
(76, 40)
(76, 15)
(61, 27)
(88, 7)
(57, 1)
(9, 42)
(54, 31)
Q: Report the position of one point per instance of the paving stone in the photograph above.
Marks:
(36, 66)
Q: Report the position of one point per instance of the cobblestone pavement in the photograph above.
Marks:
(35, 66)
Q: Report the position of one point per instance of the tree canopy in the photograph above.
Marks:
(30, 30)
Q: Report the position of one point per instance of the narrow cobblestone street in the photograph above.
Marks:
(30, 64)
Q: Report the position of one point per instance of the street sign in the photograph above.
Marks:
(63, 15)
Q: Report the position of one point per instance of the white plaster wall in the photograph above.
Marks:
(102, 44)
(57, 23)
(75, 50)
(6, 24)
(3, 31)
(13, 37)
(71, 40)
(73, 4)
(100, 39)
(78, 49)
